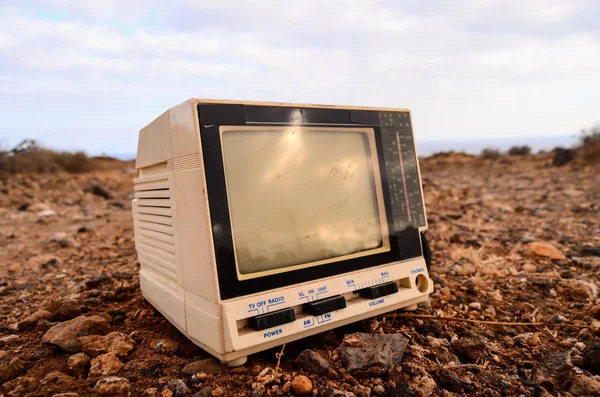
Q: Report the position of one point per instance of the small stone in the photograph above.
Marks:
(558, 318)
(580, 346)
(555, 372)
(379, 390)
(69, 394)
(77, 363)
(32, 320)
(66, 335)
(58, 379)
(469, 349)
(301, 385)
(427, 385)
(46, 213)
(115, 342)
(97, 281)
(528, 339)
(240, 370)
(497, 295)
(402, 390)
(105, 364)
(584, 386)
(164, 346)
(566, 343)
(209, 366)
(582, 290)
(201, 376)
(10, 367)
(204, 392)
(38, 207)
(312, 362)
(475, 306)
(591, 357)
(545, 250)
(361, 391)
(66, 309)
(7, 340)
(151, 392)
(44, 261)
(99, 190)
(166, 393)
(20, 386)
(287, 387)
(63, 240)
(529, 268)
(218, 392)
(259, 393)
(372, 354)
(490, 310)
(178, 387)
(113, 386)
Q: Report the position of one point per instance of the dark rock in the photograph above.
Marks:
(562, 156)
(312, 362)
(430, 328)
(401, 390)
(257, 393)
(555, 372)
(469, 349)
(331, 392)
(443, 355)
(66, 335)
(117, 320)
(178, 388)
(591, 357)
(66, 309)
(204, 392)
(590, 251)
(117, 204)
(372, 354)
(96, 281)
(209, 366)
(558, 318)
(99, 190)
(450, 381)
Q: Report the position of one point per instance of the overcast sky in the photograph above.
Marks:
(80, 74)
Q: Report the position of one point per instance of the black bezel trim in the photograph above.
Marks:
(212, 117)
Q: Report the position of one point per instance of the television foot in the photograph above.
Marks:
(237, 362)
(410, 308)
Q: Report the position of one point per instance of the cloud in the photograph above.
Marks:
(457, 64)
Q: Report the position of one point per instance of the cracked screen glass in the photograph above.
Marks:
(301, 196)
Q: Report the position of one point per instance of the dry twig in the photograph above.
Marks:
(279, 355)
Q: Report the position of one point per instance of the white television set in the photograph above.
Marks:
(258, 223)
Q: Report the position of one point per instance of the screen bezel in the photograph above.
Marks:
(373, 156)
(211, 118)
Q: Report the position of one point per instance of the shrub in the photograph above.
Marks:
(490, 154)
(589, 144)
(519, 151)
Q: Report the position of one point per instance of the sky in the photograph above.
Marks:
(81, 74)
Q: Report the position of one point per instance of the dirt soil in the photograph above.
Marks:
(514, 240)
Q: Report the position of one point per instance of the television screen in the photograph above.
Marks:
(302, 196)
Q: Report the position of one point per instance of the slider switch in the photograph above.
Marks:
(273, 319)
(377, 291)
(325, 305)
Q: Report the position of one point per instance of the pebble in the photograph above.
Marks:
(66, 309)
(469, 349)
(545, 250)
(490, 310)
(101, 191)
(20, 386)
(178, 387)
(379, 390)
(287, 387)
(105, 364)
(372, 354)
(32, 320)
(218, 392)
(209, 366)
(10, 367)
(475, 306)
(301, 385)
(165, 347)
(584, 386)
(66, 335)
(497, 295)
(57, 378)
(591, 357)
(204, 392)
(46, 213)
(113, 386)
(529, 339)
(77, 363)
(312, 362)
(115, 342)
(582, 290)
(151, 392)
(558, 318)
(7, 340)
(529, 268)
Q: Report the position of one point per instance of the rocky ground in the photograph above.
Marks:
(515, 240)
